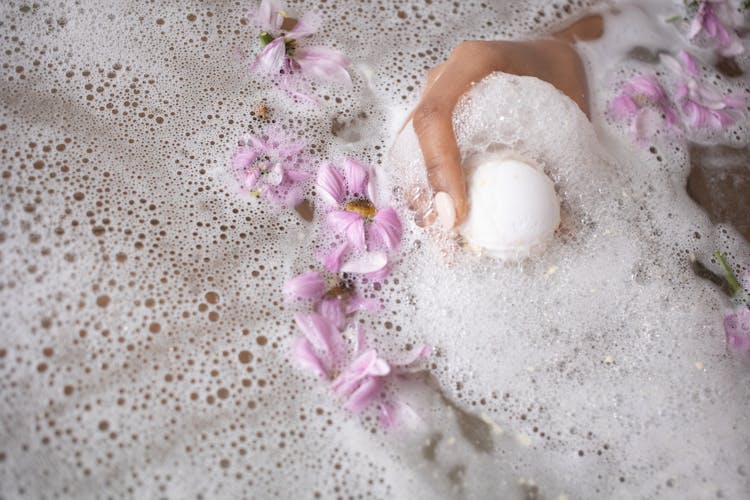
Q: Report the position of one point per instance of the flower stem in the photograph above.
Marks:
(734, 285)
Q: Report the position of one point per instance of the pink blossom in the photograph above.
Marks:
(712, 18)
(271, 166)
(334, 303)
(362, 379)
(737, 330)
(645, 104)
(289, 65)
(702, 107)
(373, 232)
(305, 286)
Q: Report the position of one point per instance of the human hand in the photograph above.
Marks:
(553, 60)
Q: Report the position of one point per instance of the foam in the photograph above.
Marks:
(145, 339)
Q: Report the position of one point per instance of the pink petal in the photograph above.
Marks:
(244, 157)
(333, 310)
(350, 224)
(270, 61)
(356, 176)
(737, 330)
(623, 106)
(365, 394)
(308, 24)
(381, 273)
(689, 62)
(332, 260)
(309, 285)
(293, 196)
(331, 184)
(319, 331)
(268, 16)
(304, 354)
(386, 228)
(296, 176)
(646, 85)
(369, 262)
(324, 64)
(251, 178)
(361, 340)
(417, 353)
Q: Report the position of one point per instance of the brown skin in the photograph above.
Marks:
(553, 60)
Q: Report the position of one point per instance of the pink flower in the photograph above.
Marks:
(711, 19)
(701, 106)
(373, 231)
(286, 63)
(362, 380)
(334, 302)
(737, 330)
(645, 104)
(271, 167)
(305, 286)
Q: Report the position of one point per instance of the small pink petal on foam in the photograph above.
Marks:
(365, 394)
(332, 260)
(309, 285)
(369, 262)
(356, 176)
(318, 331)
(349, 224)
(623, 106)
(416, 354)
(271, 59)
(333, 310)
(381, 273)
(304, 354)
(323, 63)
(251, 178)
(737, 330)
(386, 228)
(332, 185)
(268, 16)
(244, 157)
(357, 303)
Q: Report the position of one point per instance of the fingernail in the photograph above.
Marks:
(446, 210)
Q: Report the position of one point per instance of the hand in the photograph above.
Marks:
(553, 60)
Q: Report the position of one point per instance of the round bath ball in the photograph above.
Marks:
(513, 210)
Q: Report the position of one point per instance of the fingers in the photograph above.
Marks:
(434, 128)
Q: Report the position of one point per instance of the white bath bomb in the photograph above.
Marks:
(513, 207)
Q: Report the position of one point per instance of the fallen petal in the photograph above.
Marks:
(386, 228)
(309, 285)
(366, 263)
(304, 354)
(271, 59)
(332, 185)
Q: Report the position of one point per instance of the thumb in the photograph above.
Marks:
(434, 128)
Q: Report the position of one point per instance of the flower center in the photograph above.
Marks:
(361, 206)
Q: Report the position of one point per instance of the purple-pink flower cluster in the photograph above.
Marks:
(646, 105)
(271, 166)
(354, 371)
(713, 19)
(737, 322)
(288, 64)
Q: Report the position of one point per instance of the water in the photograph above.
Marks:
(145, 347)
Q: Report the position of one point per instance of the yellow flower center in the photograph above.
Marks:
(361, 206)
